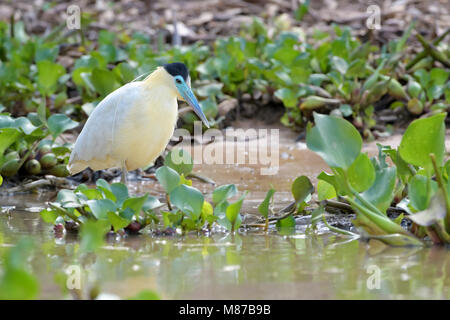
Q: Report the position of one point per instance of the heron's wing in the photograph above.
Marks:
(95, 145)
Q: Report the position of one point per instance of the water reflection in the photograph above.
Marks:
(240, 267)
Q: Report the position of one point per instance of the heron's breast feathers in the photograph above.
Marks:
(132, 124)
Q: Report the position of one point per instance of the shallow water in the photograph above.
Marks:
(245, 266)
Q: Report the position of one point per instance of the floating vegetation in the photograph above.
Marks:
(418, 180)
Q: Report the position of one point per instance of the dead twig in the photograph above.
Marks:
(48, 181)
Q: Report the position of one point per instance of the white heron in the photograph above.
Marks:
(132, 125)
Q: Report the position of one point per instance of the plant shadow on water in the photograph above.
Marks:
(249, 265)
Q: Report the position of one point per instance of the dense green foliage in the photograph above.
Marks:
(327, 72)
(418, 180)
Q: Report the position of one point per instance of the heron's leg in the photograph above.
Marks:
(124, 173)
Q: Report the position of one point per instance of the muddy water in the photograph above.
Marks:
(244, 266)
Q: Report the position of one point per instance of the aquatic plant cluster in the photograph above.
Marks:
(111, 205)
(26, 150)
(418, 184)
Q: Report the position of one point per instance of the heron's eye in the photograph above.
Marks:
(178, 81)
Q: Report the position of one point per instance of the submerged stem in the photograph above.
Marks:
(381, 221)
(66, 212)
(338, 230)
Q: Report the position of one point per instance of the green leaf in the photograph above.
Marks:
(399, 219)
(420, 191)
(168, 178)
(381, 192)
(346, 110)
(207, 211)
(222, 193)
(435, 213)
(336, 181)
(335, 140)
(301, 188)
(16, 283)
(58, 123)
(135, 204)
(209, 107)
(414, 88)
(439, 76)
(106, 189)
(104, 81)
(220, 210)
(80, 76)
(325, 190)
(187, 199)
(49, 216)
(92, 234)
(356, 69)
(233, 213)
(68, 199)
(91, 194)
(300, 74)
(46, 51)
(22, 123)
(301, 10)
(286, 226)
(108, 51)
(42, 112)
(61, 151)
(423, 137)
(402, 41)
(361, 174)
(100, 208)
(146, 295)
(117, 221)
(7, 137)
(211, 89)
(179, 160)
(48, 75)
(263, 208)
(339, 64)
(287, 96)
(120, 192)
(151, 203)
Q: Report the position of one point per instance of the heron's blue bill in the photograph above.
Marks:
(190, 98)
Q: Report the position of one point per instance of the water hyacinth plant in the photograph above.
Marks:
(418, 179)
(24, 144)
(326, 72)
(113, 207)
(188, 208)
(109, 203)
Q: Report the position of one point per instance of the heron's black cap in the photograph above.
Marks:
(177, 69)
